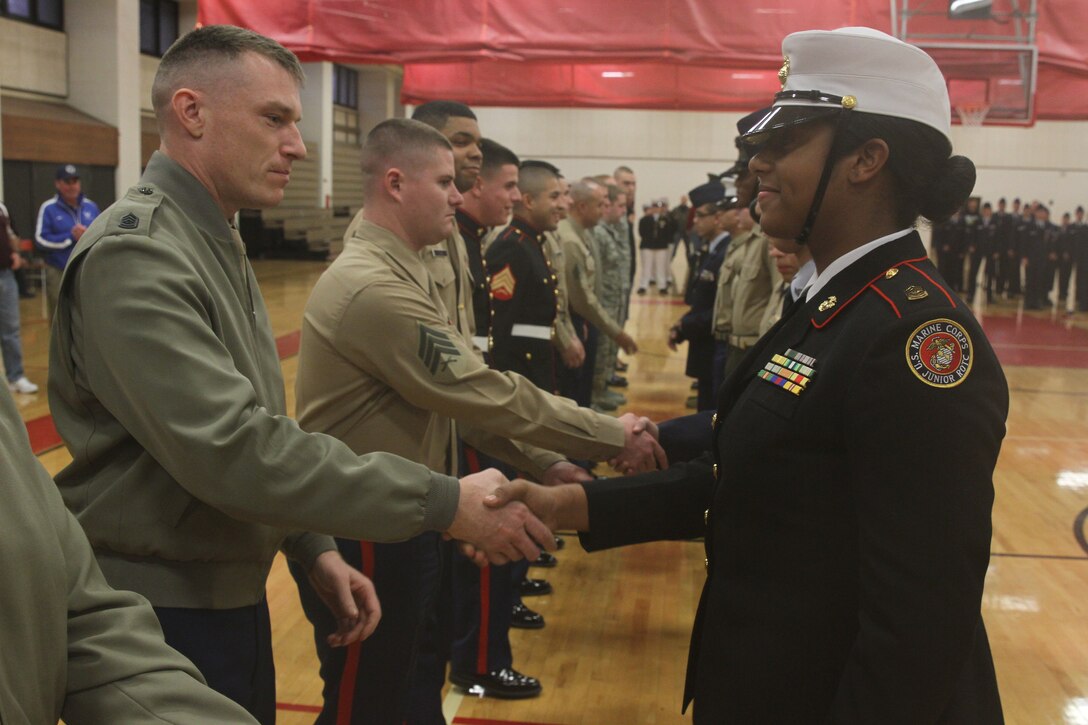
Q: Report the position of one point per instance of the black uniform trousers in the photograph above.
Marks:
(577, 383)
(483, 598)
(232, 648)
(396, 675)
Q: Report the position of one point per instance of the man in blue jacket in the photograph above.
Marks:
(61, 222)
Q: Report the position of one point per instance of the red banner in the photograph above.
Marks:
(681, 54)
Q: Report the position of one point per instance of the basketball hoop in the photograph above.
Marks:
(973, 114)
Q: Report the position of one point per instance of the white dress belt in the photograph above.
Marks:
(539, 332)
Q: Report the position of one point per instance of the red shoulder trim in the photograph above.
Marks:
(942, 289)
(887, 299)
(844, 305)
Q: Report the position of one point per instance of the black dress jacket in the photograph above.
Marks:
(846, 510)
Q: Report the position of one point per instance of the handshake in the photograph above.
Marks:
(500, 521)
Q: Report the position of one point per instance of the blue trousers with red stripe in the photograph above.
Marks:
(483, 599)
(396, 676)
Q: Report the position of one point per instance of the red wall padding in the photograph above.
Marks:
(680, 54)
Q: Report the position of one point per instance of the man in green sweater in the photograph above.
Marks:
(70, 646)
(165, 384)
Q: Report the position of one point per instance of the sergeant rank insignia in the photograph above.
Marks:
(791, 371)
(503, 284)
(436, 350)
(939, 353)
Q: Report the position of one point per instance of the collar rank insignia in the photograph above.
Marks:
(939, 353)
(828, 303)
(503, 284)
(792, 371)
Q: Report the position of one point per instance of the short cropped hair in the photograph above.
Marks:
(437, 113)
(540, 164)
(614, 192)
(533, 176)
(496, 156)
(205, 48)
(583, 190)
(623, 170)
(398, 141)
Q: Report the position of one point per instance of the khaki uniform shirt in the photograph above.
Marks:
(580, 271)
(383, 368)
(70, 646)
(744, 288)
(165, 385)
(447, 263)
(565, 334)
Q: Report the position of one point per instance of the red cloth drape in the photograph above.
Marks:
(679, 54)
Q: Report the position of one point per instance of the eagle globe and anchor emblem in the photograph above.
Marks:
(942, 352)
(939, 353)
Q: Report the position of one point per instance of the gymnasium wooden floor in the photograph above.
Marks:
(614, 649)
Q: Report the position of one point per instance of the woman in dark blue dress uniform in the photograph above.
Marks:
(846, 504)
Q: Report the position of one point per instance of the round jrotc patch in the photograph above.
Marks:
(940, 353)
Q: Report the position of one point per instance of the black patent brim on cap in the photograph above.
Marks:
(780, 117)
(745, 124)
(737, 168)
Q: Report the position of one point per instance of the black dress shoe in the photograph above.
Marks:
(534, 587)
(545, 560)
(641, 290)
(560, 542)
(621, 367)
(507, 684)
(525, 618)
(617, 381)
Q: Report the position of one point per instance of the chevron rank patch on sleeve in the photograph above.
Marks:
(436, 350)
(503, 284)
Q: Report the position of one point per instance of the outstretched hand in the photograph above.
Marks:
(502, 534)
(641, 451)
(559, 507)
(565, 472)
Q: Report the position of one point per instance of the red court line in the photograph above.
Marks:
(287, 345)
(480, 721)
(43, 434)
(291, 707)
(1036, 342)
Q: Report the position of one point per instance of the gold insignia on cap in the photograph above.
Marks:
(914, 292)
(828, 303)
(784, 71)
(849, 102)
(891, 273)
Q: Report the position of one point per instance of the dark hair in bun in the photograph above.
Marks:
(929, 181)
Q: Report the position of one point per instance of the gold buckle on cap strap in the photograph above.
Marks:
(847, 102)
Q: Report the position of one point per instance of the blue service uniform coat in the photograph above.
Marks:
(848, 524)
(696, 327)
